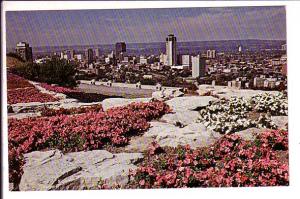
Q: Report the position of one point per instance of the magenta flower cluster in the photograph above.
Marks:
(86, 131)
(230, 162)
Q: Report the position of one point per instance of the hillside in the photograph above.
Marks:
(12, 62)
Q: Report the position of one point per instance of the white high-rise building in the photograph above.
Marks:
(163, 59)
(97, 52)
(186, 60)
(171, 46)
(198, 66)
(211, 54)
(240, 48)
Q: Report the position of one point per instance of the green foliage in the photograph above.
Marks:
(15, 55)
(59, 72)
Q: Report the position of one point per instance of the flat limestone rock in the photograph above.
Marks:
(189, 102)
(166, 94)
(52, 170)
(250, 133)
(139, 144)
(116, 102)
(36, 106)
(194, 134)
(181, 117)
(228, 92)
(280, 121)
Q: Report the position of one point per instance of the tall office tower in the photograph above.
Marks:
(89, 55)
(24, 51)
(97, 52)
(240, 48)
(198, 66)
(211, 54)
(171, 50)
(120, 48)
(186, 60)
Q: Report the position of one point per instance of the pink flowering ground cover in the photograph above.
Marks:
(46, 112)
(230, 162)
(87, 131)
(26, 95)
(58, 89)
(15, 81)
(21, 91)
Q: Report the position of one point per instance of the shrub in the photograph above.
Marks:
(59, 72)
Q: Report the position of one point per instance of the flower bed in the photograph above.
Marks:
(229, 162)
(46, 112)
(57, 89)
(274, 104)
(15, 81)
(228, 116)
(26, 95)
(76, 94)
(86, 131)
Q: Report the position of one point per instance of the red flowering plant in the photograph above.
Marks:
(86, 131)
(15, 81)
(57, 89)
(21, 91)
(71, 111)
(26, 95)
(229, 162)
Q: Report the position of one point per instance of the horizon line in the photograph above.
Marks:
(157, 42)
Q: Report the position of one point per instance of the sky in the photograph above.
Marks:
(89, 27)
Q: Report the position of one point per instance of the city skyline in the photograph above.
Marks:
(89, 27)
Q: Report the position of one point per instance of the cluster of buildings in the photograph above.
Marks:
(240, 69)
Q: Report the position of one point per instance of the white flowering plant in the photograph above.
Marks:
(275, 104)
(228, 116)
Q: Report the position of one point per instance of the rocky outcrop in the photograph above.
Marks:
(181, 118)
(116, 102)
(250, 133)
(280, 121)
(194, 134)
(167, 94)
(53, 170)
(189, 102)
(37, 106)
(227, 92)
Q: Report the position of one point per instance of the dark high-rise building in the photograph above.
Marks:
(89, 55)
(171, 50)
(24, 51)
(120, 48)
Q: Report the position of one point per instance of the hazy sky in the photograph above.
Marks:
(88, 27)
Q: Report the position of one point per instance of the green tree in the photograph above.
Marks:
(59, 72)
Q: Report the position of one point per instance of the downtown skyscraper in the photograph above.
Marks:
(171, 50)
(120, 48)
